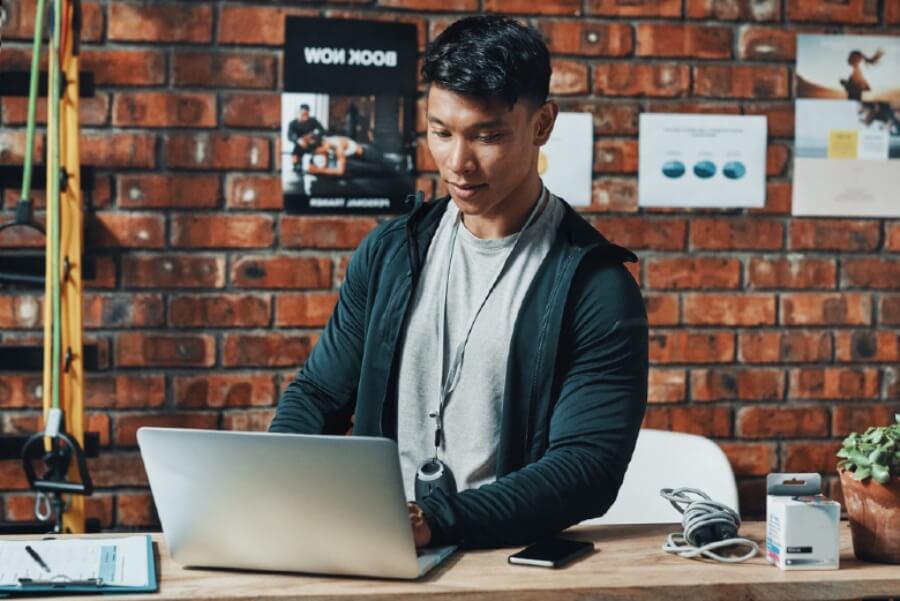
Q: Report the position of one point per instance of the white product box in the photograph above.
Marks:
(802, 525)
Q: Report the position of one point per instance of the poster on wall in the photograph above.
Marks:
(847, 126)
(566, 160)
(688, 160)
(348, 116)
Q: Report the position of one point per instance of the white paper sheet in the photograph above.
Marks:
(688, 160)
(566, 159)
(118, 561)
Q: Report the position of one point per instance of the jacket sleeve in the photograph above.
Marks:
(328, 380)
(592, 431)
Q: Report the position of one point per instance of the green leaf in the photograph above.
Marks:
(881, 474)
(843, 452)
(858, 458)
(861, 473)
(877, 436)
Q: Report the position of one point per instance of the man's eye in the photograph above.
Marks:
(440, 133)
(489, 137)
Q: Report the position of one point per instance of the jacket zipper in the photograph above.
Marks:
(413, 281)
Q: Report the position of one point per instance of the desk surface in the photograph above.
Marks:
(628, 565)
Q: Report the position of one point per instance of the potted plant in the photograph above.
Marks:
(870, 478)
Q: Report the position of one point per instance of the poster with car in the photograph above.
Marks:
(847, 126)
(348, 116)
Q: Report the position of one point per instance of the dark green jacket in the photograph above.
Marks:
(576, 385)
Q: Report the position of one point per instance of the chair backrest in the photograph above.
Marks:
(669, 460)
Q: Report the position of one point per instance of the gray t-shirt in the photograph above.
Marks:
(472, 411)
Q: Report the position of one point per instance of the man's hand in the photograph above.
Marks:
(421, 531)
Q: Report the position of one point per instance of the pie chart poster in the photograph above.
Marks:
(702, 160)
(348, 139)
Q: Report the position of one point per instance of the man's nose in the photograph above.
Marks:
(460, 159)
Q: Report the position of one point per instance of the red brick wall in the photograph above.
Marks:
(773, 335)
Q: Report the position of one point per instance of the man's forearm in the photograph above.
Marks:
(537, 501)
(330, 375)
(302, 408)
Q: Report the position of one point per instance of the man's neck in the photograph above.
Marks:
(510, 217)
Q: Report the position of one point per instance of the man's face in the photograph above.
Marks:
(303, 115)
(484, 150)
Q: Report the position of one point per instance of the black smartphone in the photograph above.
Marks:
(551, 553)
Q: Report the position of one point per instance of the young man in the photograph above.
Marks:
(303, 131)
(494, 334)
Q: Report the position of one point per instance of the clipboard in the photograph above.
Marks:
(54, 584)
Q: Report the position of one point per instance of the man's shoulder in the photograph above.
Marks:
(605, 292)
(386, 235)
(602, 282)
(580, 233)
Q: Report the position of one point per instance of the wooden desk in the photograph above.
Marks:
(628, 565)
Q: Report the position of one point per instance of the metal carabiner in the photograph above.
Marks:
(42, 509)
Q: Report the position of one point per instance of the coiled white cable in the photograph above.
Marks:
(708, 525)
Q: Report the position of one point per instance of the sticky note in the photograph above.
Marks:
(842, 143)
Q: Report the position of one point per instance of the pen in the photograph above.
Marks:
(37, 557)
(26, 582)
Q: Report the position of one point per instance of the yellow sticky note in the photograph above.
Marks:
(842, 143)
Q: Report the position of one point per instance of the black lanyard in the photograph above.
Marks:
(453, 373)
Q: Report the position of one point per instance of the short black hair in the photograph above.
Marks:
(490, 56)
(304, 107)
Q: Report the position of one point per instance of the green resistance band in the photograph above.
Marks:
(32, 99)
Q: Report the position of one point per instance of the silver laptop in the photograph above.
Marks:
(283, 502)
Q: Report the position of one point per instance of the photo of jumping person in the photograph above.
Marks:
(856, 83)
(832, 98)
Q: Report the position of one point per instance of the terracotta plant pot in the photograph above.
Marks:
(874, 512)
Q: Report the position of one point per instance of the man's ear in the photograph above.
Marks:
(544, 119)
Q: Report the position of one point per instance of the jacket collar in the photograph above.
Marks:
(574, 229)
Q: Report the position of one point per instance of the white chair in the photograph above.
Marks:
(669, 460)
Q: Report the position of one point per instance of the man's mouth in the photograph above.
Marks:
(465, 190)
